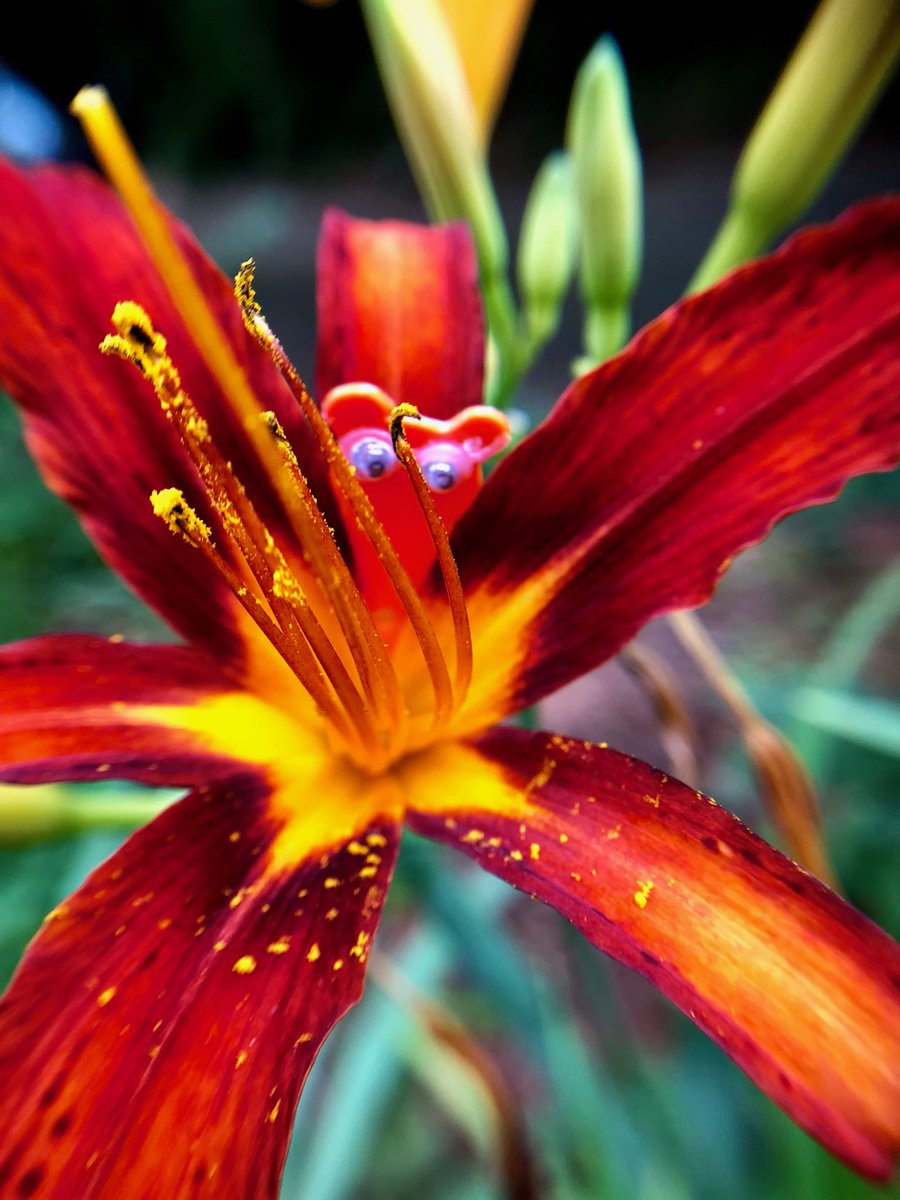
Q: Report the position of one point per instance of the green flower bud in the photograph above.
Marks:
(826, 90)
(603, 145)
(547, 247)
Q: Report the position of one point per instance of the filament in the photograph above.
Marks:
(449, 570)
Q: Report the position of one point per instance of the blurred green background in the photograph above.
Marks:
(252, 117)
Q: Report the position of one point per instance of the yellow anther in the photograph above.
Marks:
(245, 295)
(138, 342)
(170, 506)
(402, 412)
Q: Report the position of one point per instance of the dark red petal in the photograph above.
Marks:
(796, 986)
(736, 407)
(399, 307)
(76, 708)
(156, 1037)
(69, 254)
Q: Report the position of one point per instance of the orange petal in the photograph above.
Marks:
(158, 1032)
(399, 307)
(795, 985)
(734, 408)
(76, 707)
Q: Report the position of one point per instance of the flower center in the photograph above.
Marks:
(329, 625)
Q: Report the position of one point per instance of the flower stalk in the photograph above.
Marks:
(39, 814)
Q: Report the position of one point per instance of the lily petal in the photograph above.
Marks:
(156, 1037)
(75, 707)
(399, 307)
(795, 985)
(734, 408)
(70, 254)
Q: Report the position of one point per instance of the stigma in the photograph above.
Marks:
(337, 611)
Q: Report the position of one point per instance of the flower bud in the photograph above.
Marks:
(488, 38)
(603, 145)
(547, 247)
(435, 117)
(826, 90)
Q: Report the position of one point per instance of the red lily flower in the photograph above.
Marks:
(156, 1037)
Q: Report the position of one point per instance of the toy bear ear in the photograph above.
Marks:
(481, 431)
(347, 409)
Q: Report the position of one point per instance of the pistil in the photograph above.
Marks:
(369, 716)
(118, 159)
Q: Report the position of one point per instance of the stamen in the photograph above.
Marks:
(171, 507)
(327, 563)
(354, 494)
(452, 583)
(138, 342)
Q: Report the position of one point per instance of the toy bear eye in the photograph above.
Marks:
(445, 464)
(440, 475)
(372, 457)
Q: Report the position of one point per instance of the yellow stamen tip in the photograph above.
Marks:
(89, 97)
(170, 506)
(402, 412)
(137, 341)
(251, 311)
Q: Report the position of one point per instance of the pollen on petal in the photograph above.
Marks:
(105, 996)
(245, 965)
(642, 895)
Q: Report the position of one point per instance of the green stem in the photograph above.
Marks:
(606, 330)
(739, 239)
(504, 325)
(117, 812)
